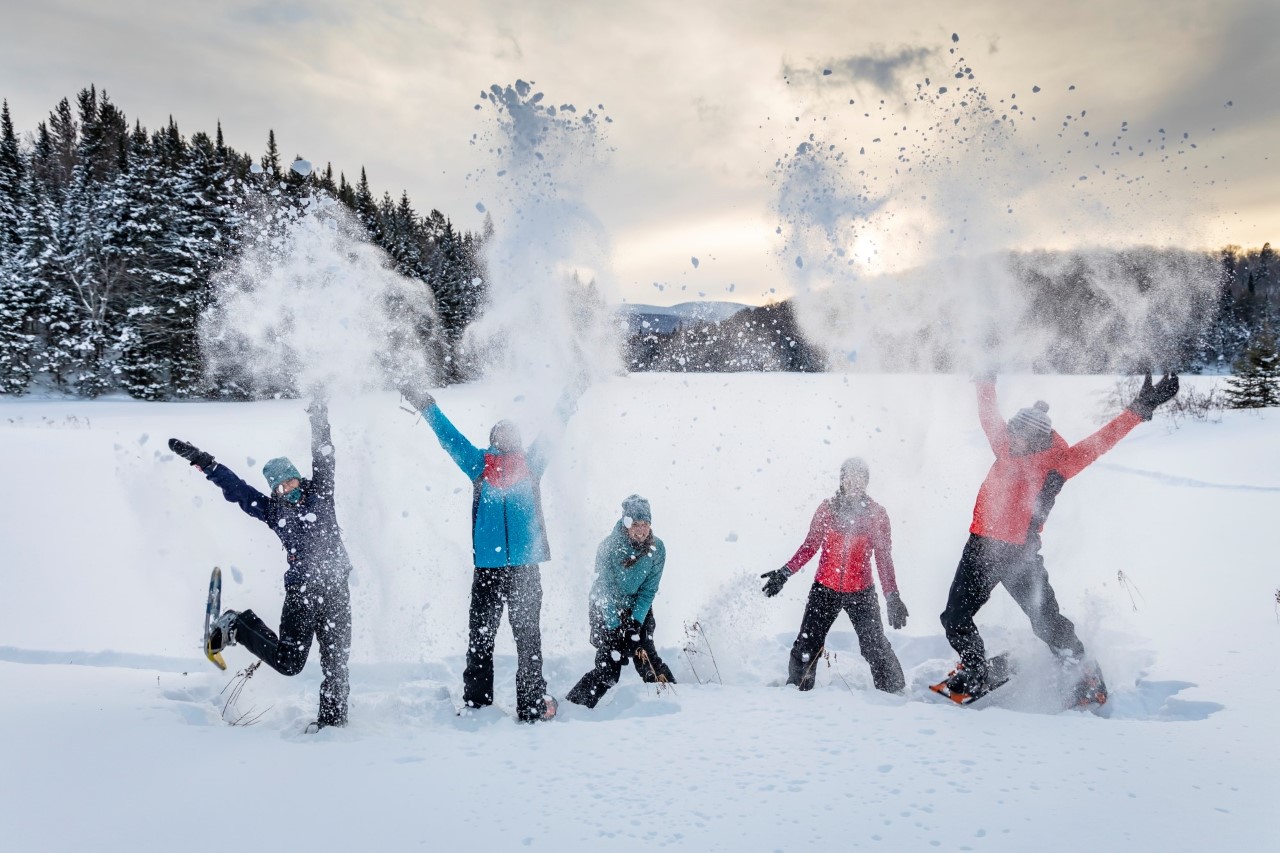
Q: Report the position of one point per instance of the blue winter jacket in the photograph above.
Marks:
(308, 530)
(619, 588)
(507, 528)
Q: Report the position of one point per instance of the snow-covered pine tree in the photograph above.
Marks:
(165, 224)
(367, 209)
(271, 160)
(1256, 380)
(455, 277)
(15, 303)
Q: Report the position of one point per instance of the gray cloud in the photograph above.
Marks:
(881, 69)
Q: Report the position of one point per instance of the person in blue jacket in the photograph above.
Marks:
(509, 540)
(629, 564)
(317, 601)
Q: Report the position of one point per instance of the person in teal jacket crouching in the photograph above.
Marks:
(509, 539)
(629, 564)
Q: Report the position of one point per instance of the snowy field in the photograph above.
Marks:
(113, 732)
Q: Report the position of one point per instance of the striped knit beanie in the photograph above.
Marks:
(1032, 423)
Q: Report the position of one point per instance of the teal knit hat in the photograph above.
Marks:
(278, 470)
(636, 508)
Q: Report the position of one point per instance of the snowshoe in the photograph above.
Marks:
(966, 686)
(212, 605)
(1090, 691)
(315, 726)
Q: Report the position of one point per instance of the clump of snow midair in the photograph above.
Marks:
(543, 326)
(309, 301)
(904, 256)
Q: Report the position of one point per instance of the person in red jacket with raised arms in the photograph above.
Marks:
(849, 528)
(1032, 464)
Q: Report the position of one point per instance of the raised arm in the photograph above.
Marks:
(540, 451)
(467, 456)
(989, 416)
(322, 457)
(1079, 456)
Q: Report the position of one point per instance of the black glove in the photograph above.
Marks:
(1152, 396)
(319, 405)
(632, 636)
(191, 453)
(776, 579)
(897, 611)
(419, 398)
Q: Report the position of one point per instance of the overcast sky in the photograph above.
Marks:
(704, 98)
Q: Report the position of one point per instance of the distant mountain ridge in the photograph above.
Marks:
(665, 319)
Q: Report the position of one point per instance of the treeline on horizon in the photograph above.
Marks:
(111, 237)
(1220, 329)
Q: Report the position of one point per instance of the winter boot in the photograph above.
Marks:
(546, 711)
(222, 632)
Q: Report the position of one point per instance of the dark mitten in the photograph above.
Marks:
(897, 611)
(418, 397)
(632, 636)
(319, 406)
(1150, 397)
(191, 453)
(776, 579)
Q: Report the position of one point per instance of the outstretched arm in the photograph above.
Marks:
(989, 416)
(323, 463)
(817, 527)
(1079, 456)
(467, 456)
(238, 492)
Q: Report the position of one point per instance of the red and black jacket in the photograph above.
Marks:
(849, 531)
(1019, 491)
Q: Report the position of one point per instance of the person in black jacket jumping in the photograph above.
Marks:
(317, 600)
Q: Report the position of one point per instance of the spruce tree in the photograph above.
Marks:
(1256, 380)
(271, 160)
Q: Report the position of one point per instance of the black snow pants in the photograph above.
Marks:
(611, 655)
(519, 590)
(986, 563)
(320, 610)
(820, 613)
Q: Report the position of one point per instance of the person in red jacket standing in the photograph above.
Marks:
(849, 528)
(1032, 464)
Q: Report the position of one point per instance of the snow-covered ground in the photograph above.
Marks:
(112, 732)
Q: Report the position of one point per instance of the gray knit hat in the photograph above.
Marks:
(635, 508)
(1032, 423)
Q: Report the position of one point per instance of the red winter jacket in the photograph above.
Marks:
(848, 538)
(1020, 488)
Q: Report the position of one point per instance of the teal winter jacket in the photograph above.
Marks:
(507, 528)
(619, 588)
